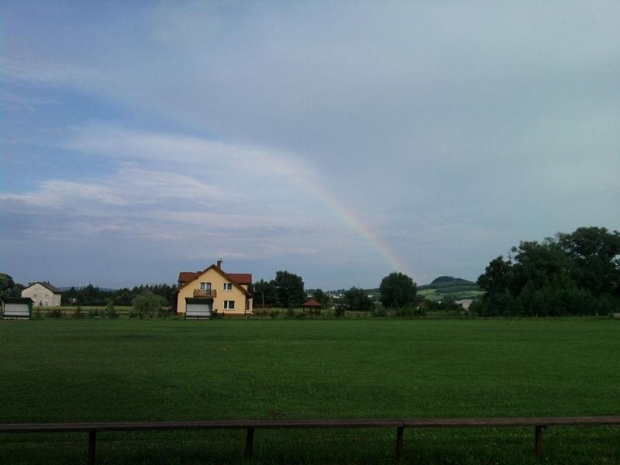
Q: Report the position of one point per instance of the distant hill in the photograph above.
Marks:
(448, 282)
(448, 287)
(77, 288)
(443, 287)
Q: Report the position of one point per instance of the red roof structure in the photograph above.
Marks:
(311, 304)
(187, 276)
(237, 278)
(240, 278)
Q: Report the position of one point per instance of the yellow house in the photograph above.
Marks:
(203, 292)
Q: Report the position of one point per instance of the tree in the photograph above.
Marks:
(577, 273)
(357, 299)
(264, 293)
(594, 254)
(6, 285)
(148, 304)
(397, 290)
(289, 289)
(497, 276)
(322, 298)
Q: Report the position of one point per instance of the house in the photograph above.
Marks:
(43, 294)
(465, 303)
(14, 308)
(212, 290)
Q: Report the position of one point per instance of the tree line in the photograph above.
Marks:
(569, 274)
(93, 296)
(286, 290)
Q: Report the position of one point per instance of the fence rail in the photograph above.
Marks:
(539, 423)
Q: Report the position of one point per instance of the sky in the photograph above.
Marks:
(341, 141)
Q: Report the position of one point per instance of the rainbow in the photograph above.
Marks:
(304, 177)
(349, 218)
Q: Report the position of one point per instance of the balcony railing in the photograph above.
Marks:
(207, 293)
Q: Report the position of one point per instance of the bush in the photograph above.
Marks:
(410, 311)
(56, 313)
(290, 312)
(148, 305)
(93, 314)
(379, 313)
(339, 311)
(110, 311)
(164, 312)
(79, 313)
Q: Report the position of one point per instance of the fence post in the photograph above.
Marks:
(538, 445)
(92, 439)
(249, 444)
(399, 443)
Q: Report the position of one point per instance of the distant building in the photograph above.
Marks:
(465, 303)
(43, 294)
(16, 308)
(203, 292)
(312, 304)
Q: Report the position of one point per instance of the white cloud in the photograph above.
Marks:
(50, 73)
(256, 126)
(180, 150)
(58, 194)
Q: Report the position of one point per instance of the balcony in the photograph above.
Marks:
(205, 293)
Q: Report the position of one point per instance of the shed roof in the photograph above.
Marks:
(312, 303)
(17, 300)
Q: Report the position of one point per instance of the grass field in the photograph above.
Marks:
(134, 370)
(439, 294)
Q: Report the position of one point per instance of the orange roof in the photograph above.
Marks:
(237, 279)
(187, 276)
(312, 303)
(240, 278)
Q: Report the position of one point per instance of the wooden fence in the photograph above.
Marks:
(252, 425)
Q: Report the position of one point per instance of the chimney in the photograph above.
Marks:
(219, 264)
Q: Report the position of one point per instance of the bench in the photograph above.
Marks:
(252, 425)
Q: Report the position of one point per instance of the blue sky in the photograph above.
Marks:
(338, 140)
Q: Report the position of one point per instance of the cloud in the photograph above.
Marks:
(49, 73)
(56, 194)
(447, 131)
(129, 145)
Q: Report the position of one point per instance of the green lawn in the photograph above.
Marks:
(135, 370)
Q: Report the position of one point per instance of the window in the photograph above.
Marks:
(45, 304)
(229, 305)
(228, 286)
(205, 286)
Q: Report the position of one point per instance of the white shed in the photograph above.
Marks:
(16, 308)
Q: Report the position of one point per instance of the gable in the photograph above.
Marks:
(213, 274)
(45, 285)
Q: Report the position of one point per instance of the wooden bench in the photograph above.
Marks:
(252, 425)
